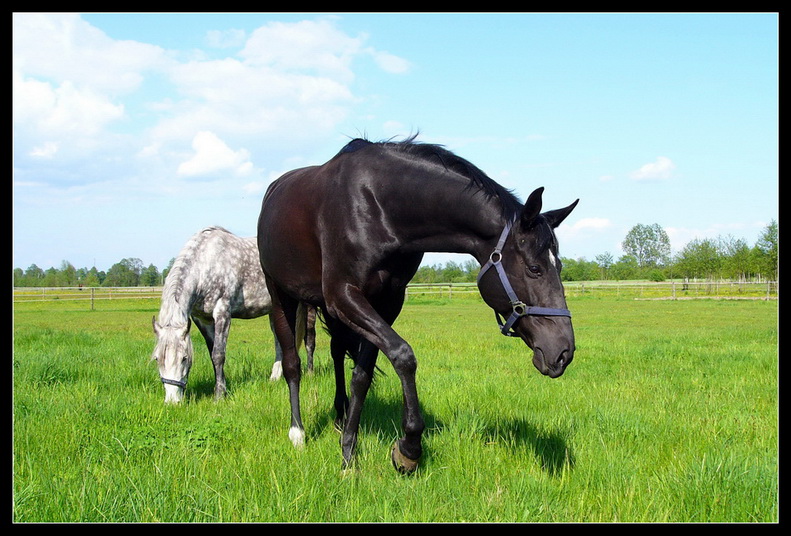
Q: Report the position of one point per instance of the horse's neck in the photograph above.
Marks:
(178, 297)
(472, 226)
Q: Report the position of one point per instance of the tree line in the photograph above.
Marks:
(647, 256)
(126, 273)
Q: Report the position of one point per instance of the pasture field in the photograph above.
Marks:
(669, 413)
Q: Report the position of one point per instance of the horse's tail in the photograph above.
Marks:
(302, 325)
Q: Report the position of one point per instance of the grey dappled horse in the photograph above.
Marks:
(216, 276)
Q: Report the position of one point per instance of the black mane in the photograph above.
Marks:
(439, 155)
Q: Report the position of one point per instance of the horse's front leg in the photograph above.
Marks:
(351, 307)
(277, 366)
(222, 326)
(310, 334)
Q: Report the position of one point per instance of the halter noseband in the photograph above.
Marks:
(177, 383)
(519, 309)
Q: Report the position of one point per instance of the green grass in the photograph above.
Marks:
(669, 412)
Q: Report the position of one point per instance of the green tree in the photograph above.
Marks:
(34, 276)
(700, 258)
(767, 254)
(626, 268)
(19, 278)
(68, 274)
(649, 244)
(736, 258)
(150, 276)
(579, 270)
(167, 269)
(124, 274)
(605, 261)
(92, 278)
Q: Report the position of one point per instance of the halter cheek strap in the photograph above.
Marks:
(519, 309)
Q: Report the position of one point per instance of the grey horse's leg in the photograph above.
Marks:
(222, 326)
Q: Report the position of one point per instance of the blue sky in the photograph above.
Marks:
(133, 131)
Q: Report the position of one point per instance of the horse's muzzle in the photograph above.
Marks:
(174, 392)
(552, 344)
(549, 366)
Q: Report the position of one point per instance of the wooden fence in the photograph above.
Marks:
(668, 290)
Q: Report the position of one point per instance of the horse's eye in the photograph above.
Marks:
(534, 268)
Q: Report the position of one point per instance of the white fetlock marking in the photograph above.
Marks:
(277, 371)
(297, 436)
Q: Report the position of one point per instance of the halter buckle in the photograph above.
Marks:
(519, 308)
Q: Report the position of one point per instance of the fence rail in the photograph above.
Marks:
(38, 294)
(668, 290)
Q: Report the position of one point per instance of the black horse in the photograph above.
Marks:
(349, 235)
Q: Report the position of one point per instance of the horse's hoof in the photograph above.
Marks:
(297, 437)
(401, 463)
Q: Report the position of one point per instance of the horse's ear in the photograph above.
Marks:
(555, 217)
(532, 208)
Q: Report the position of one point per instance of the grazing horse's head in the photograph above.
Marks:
(528, 292)
(173, 354)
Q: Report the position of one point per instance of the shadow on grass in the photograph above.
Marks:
(382, 418)
(551, 448)
(382, 415)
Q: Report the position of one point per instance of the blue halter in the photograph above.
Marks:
(177, 383)
(519, 309)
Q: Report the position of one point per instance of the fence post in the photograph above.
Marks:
(92, 294)
(674, 290)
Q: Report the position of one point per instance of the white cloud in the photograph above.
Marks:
(212, 155)
(64, 47)
(583, 227)
(290, 84)
(48, 150)
(390, 63)
(225, 38)
(313, 46)
(661, 169)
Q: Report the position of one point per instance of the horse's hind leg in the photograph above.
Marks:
(340, 342)
(283, 315)
(207, 330)
(362, 376)
(222, 326)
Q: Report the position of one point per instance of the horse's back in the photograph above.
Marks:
(325, 224)
(228, 271)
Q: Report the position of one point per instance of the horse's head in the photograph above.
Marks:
(528, 292)
(173, 354)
